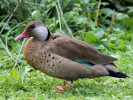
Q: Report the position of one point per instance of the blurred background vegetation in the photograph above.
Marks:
(107, 25)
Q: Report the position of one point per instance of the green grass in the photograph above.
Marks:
(34, 85)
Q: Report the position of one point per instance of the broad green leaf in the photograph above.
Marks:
(99, 33)
(80, 20)
(90, 38)
(107, 11)
(14, 74)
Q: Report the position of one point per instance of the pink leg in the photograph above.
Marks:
(63, 87)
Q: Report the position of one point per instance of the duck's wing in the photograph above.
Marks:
(63, 68)
(73, 49)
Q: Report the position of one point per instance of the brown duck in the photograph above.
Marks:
(64, 57)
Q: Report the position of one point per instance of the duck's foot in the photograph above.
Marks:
(63, 88)
(60, 87)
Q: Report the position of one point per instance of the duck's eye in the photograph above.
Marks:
(32, 26)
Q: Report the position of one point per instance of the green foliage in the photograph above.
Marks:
(127, 23)
(124, 6)
(76, 18)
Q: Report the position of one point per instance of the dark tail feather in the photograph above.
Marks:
(117, 74)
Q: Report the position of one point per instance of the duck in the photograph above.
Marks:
(64, 57)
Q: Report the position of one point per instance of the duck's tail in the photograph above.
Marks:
(117, 74)
(114, 73)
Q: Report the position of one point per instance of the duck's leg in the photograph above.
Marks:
(64, 86)
(70, 86)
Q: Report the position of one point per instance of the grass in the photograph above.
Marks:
(34, 85)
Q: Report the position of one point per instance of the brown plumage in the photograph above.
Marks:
(42, 56)
(78, 50)
(55, 55)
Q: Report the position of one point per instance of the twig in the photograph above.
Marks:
(98, 13)
(16, 62)
(89, 16)
(113, 18)
(64, 19)
(58, 16)
(7, 50)
(4, 28)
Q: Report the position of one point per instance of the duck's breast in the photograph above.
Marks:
(31, 49)
(39, 56)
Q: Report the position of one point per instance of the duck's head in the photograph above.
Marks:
(35, 29)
